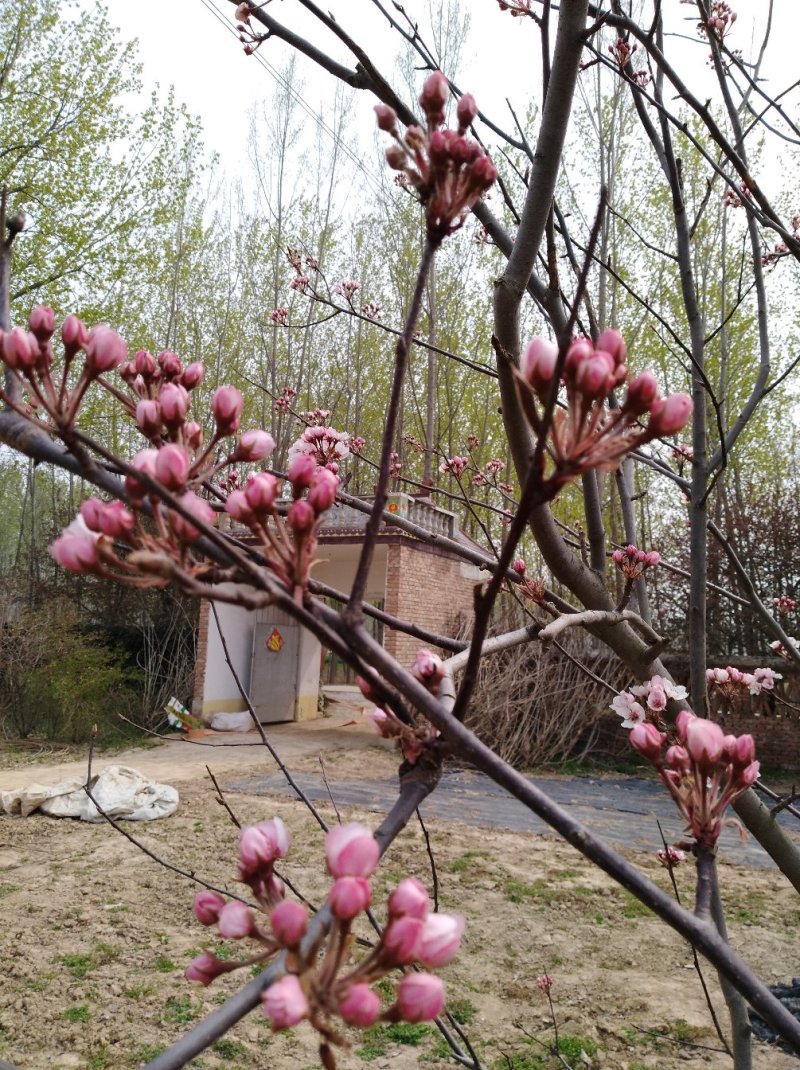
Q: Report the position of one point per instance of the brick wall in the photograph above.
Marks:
(427, 587)
(202, 655)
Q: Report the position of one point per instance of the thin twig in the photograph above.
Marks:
(222, 800)
(434, 873)
(328, 789)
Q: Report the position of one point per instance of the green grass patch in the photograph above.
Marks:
(7, 889)
(163, 964)
(180, 1009)
(78, 965)
(76, 1014)
(228, 1049)
(633, 908)
(462, 1010)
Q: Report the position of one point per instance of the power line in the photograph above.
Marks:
(299, 99)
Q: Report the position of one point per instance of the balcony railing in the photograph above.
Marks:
(419, 511)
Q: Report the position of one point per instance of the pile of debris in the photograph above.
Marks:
(789, 995)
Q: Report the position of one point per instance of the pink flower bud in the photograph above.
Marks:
(682, 721)
(170, 364)
(171, 466)
(402, 939)
(749, 775)
(594, 377)
(387, 118)
(441, 937)
(148, 417)
(207, 906)
(642, 394)
(144, 363)
(144, 461)
(396, 158)
(647, 739)
(74, 335)
(20, 349)
(678, 759)
(260, 845)
(76, 548)
(612, 342)
(226, 406)
(204, 969)
(91, 511)
(670, 415)
(361, 1006)
(192, 375)
(301, 517)
(105, 350)
(351, 851)
(519, 567)
(349, 896)
(538, 364)
(409, 897)
(42, 323)
(235, 921)
(192, 435)
(237, 506)
(433, 97)
(652, 558)
(289, 922)
(200, 509)
(428, 668)
(466, 111)
(579, 351)
(420, 997)
(301, 471)
(285, 1002)
(261, 491)
(322, 493)
(255, 445)
(745, 750)
(174, 402)
(704, 742)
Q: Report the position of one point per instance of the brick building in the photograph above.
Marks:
(282, 666)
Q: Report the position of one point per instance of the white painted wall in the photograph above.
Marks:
(220, 691)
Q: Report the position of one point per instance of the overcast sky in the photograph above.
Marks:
(193, 49)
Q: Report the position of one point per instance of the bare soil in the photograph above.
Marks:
(96, 936)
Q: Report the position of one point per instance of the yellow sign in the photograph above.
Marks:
(274, 641)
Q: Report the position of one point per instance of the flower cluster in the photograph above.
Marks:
(784, 604)
(671, 857)
(347, 288)
(655, 693)
(633, 562)
(779, 648)
(586, 434)
(322, 988)
(257, 507)
(703, 769)
(278, 316)
(284, 402)
(325, 445)
(448, 171)
(720, 21)
(682, 454)
(151, 540)
(248, 37)
(731, 682)
(533, 588)
(454, 465)
(517, 8)
(412, 738)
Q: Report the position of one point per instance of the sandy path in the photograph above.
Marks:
(180, 759)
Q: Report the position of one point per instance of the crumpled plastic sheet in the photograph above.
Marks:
(121, 792)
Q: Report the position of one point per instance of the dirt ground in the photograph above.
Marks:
(96, 936)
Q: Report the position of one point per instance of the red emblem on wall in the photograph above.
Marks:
(274, 641)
